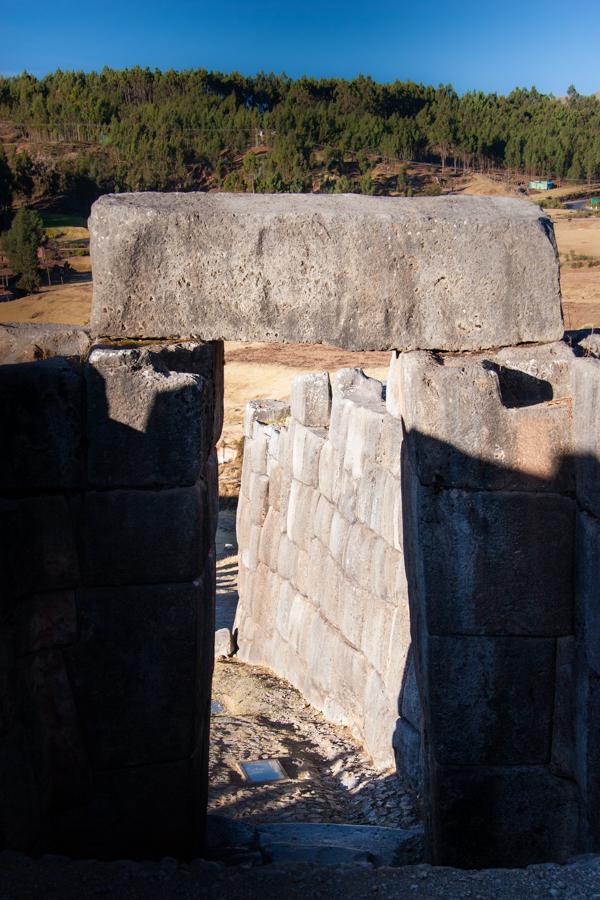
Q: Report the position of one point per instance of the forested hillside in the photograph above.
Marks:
(136, 129)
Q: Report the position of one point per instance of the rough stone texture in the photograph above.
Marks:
(527, 541)
(499, 422)
(147, 424)
(502, 816)
(41, 417)
(311, 399)
(454, 273)
(26, 342)
(106, 598)
(586, 429)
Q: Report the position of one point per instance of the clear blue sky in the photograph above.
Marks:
(484, 45)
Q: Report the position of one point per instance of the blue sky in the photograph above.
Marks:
(487, 46)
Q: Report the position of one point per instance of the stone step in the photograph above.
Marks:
(329, 844)
(235, 842)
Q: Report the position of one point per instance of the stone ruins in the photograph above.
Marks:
(419, 558)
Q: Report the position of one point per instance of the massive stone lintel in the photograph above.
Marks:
(452, 273)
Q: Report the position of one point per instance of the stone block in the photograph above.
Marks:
(398, 648)
(41, 423)
(563, 733)
(516, 816)
(144, 537)
(147, 425)
(224, 645)
(37, 547)
(258, 497)
(134, 672)
(307, 444)
(587, 750)
(490, 701)
(54, 730)
(474, 261)
(137, 812)
(389, 451)
(586, 430)
(322, 521)
(268, 548)
(410, 702)
(587, 590)
(365, 424)
(340, 529)
(299, 521)
(525, 540)
(46, 621)
(353, 610)
(265, 411)
(20, 807)
(257, 452)
(311, 399)
(474, 423)
(379, 720)
(358, 555)
(26, 342)
(407, 751)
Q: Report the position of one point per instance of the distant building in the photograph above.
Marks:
(540, 185)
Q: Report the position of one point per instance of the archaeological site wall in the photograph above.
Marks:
(108, 507)
(420, 559)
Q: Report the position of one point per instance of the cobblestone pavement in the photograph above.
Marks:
(331, 780)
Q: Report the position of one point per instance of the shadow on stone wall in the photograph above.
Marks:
(107, 555)
(505, 614)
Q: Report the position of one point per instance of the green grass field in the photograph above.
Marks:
(63, 220)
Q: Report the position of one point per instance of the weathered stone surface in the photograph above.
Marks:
(147, 425)
(138, 812)
(224, 642)
(25, 342)
(358, 272)
(586, 429)
(55, 735)
(41, 423)
(265, 411)
(563, 733)
(476, 422)
(20, 807)
(525, 540)
(144, 537)
(587, 592)
(502, 816)
(490, 700)
(407, 751)
(37, 546)
(381, 846)
(135, 672)
(46, 621)
(311, 399)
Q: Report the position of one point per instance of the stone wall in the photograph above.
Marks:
(323, 593)
(108, 508)
(460, 513)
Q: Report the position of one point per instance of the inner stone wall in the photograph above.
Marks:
(322, 585)
(108, 508)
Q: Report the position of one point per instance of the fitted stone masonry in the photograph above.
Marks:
(420, 558)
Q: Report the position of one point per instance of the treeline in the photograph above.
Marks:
(139, 129)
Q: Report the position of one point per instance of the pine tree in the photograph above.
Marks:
(21, 243)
